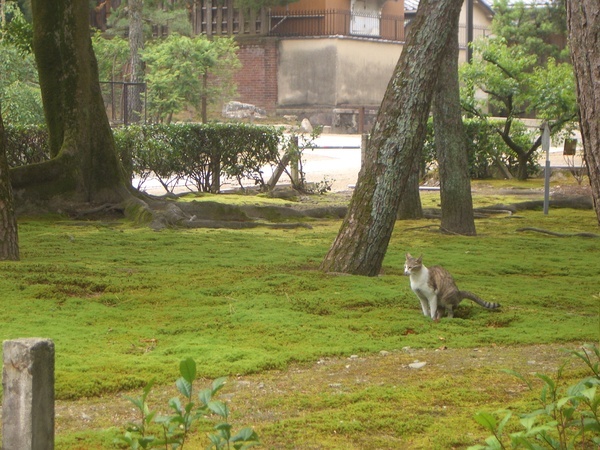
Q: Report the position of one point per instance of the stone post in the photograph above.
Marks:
(28, 398)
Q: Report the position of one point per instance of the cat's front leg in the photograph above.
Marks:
(424, 302)
(433, 306)
(425, 307)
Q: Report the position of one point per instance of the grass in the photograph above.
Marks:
(125, 305)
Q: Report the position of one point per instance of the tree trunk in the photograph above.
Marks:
(522, 159)
(451, 145)
(583, 20)
(84, 165)
(410, 201)
(9, 240)
(396, 141)
(136, 43)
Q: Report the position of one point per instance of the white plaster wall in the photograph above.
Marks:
(334, 71)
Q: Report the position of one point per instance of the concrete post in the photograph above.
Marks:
(28, 399)
(364, 141)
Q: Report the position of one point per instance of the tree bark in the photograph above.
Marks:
(410, 207)
(9, 240)
(84, 165)
(451, 145)
(583, 21)
(136, 43)
(396, 141)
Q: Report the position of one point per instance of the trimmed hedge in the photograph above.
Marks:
(196, 154)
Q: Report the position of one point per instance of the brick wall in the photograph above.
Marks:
(257, 79)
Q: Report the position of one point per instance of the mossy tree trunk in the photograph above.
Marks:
(396, 142)
(9, 240)
(451, 145)
(84, 165)
(583, 20)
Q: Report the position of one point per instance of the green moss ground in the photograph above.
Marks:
(125, 305)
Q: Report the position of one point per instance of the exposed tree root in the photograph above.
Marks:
(554, 233)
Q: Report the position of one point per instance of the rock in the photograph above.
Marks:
(384, 353)
(237, 110)
(417, 365)
(306, 126)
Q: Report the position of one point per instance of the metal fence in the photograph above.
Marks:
(125, 102)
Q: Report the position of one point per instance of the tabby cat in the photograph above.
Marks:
(436, 289)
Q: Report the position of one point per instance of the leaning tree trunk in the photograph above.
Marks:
(396, 141)
(451, 145)
(9, 241)
(84, 166)
(583, 20)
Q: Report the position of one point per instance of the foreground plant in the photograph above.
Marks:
(175, 428)
(567, 419)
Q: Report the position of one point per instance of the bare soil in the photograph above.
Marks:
(252, 397)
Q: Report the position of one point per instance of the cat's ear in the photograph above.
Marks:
(408, 256)
(420, 259)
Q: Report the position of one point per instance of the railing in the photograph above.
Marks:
(336, 23)
(478, 32)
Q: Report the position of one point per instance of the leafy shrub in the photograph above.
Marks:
(567, 419)
(174, 430)
(196, 154)
(26, 145)
(485, 148)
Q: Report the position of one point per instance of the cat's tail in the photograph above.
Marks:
(479, 301)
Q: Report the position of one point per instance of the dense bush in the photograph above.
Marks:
(487, 152)
(197, 155)
(26, 145)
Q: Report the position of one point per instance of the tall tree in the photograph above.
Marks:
(517, 87)
(9, 240)
(583, 19)
(396, 141)
(451, 145)
(541, 29)
(84, 165)
(136, 45)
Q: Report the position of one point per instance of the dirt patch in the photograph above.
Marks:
(254, 397)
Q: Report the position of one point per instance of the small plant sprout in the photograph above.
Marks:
(174, 429)
(568, 418)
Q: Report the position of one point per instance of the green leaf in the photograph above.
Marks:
(527, 422)
(562, 401)
(175, 404)
(589, 393)
(486, 420)
(219, 408)
(218, 384)
(503, 422)
(187, 369)
(493, 443)
(546, 379)
(245, 434)
(184, 387)
(205, 396)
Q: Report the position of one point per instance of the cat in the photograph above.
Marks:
(436, 289)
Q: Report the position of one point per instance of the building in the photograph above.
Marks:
(326, 60)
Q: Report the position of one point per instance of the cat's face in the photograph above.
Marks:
(412, 265)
